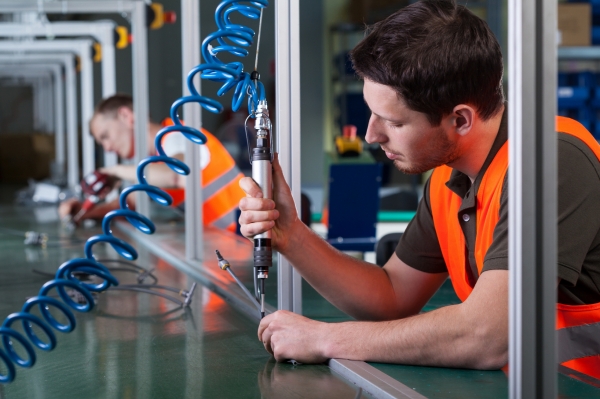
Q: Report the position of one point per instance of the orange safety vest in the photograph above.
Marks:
(578, 325)
(221, 191)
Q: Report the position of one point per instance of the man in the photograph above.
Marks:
(432, 78)
(113, 127)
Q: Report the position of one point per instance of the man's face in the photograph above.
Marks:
(114, 132)
(405, 135)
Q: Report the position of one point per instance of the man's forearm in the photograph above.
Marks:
(446, 337)
(361, 289)
(156, 174)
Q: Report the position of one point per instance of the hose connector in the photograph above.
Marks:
(223, 263)
(262, 124)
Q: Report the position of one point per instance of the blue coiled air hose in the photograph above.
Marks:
(231, 38)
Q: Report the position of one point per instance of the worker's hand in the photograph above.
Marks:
(69, 207)
(261, 214)
(287, 335)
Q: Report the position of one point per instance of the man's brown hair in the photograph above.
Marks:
(110, 105)
(435, 54)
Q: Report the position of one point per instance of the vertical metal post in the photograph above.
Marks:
(532, 198)
(287, 82)
(87, 109)
(140, 92)
(190, 52)
(59, 123)
(109, 86)
(72, 119)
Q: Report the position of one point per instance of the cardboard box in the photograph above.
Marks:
(575, 24)
(25, 156)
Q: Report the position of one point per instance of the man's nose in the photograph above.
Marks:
(374, 134)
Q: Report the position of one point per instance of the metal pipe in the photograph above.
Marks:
(532, 199)
(287, 83)
(190, 52)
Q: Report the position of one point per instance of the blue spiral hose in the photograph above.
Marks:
(230, 38)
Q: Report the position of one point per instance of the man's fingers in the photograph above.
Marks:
(250, 187)
(258, 216)
(250, 230)
(278, 177)
(264, 333)
(256, 204)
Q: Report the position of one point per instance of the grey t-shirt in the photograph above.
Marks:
(578, 223)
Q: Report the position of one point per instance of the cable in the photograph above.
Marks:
(231, 38)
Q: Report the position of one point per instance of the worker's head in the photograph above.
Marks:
(430, 66)
(113, 123)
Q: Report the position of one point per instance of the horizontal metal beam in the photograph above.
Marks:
(70, 7)
(373, 381)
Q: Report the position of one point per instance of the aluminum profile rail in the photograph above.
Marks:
(101, 31)
(67, 62)
(83, 49)
(532, 70)
(287, 83)
(137, 12)
(190, 52)
(57, 101)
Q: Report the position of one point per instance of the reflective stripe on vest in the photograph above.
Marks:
(578, 325)
(221, 192)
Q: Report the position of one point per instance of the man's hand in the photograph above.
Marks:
(261, 214)
(69, 207)
(287, 335)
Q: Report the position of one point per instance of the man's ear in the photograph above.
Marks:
(126, 115)
(463, 117)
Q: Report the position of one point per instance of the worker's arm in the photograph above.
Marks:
(157, 174)
(473, 334)
(363, 290)
(72, 206)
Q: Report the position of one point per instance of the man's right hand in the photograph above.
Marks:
(69, 207)
(261, 214)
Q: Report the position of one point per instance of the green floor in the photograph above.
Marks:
(138, 346)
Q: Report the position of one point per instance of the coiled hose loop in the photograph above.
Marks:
(231, 38)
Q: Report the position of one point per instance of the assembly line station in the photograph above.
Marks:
(139, 346)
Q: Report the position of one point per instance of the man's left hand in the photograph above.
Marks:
(287, 335)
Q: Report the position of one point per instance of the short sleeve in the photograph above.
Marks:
(419, 247)
(578, 216)
(578, 204)
(173, 144)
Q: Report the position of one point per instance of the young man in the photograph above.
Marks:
(433, 80)
(113, 127)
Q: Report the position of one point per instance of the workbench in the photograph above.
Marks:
(136, 345)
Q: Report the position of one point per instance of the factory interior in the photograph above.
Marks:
(230, 199)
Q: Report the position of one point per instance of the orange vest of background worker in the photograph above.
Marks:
(221, 192)
(578, 325)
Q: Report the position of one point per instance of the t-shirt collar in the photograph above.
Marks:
(460, 183)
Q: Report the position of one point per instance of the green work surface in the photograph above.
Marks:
(135, 345)
(382, 216)
(138, 346)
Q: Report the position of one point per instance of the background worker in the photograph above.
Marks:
(433, 81)
(113, 127)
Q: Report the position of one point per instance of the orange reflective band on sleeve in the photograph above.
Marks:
(223, 202)
(220, 180)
